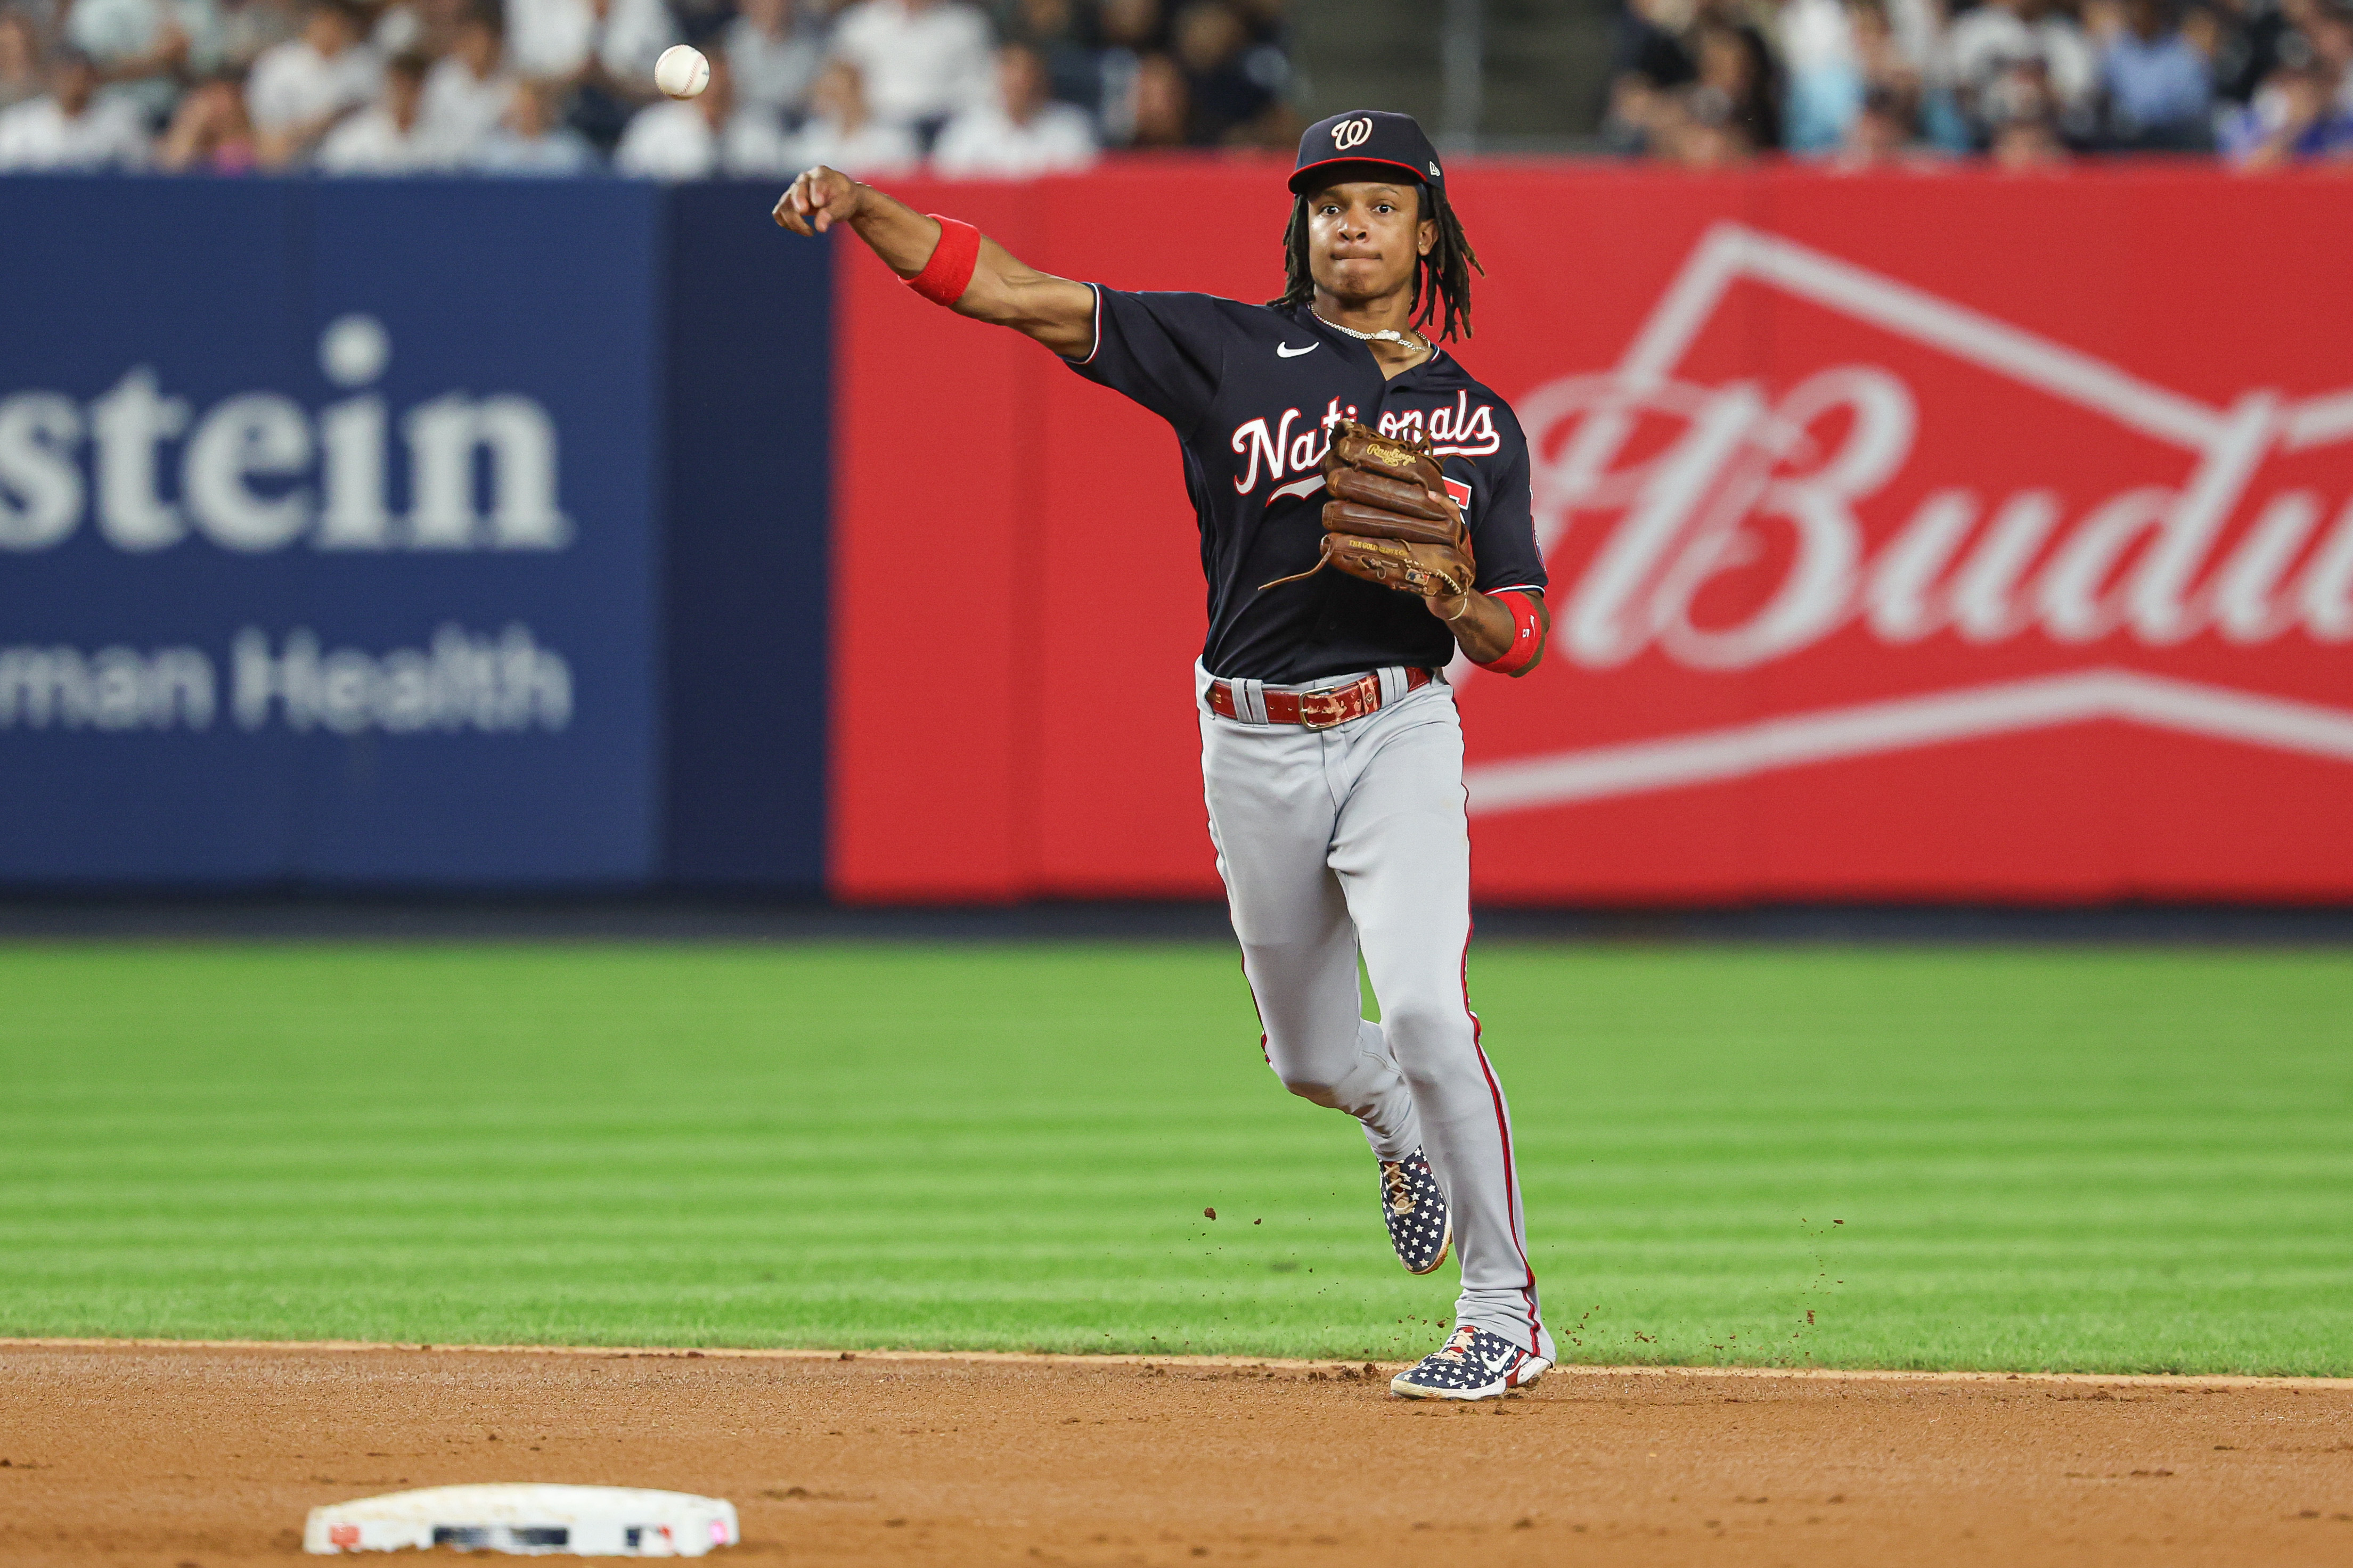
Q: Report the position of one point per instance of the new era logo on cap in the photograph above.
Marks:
(1372, 136)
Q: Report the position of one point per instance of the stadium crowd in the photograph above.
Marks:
(2025, 82)
(880, 86)
(565, 86)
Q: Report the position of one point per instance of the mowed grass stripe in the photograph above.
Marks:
(2093, 1160)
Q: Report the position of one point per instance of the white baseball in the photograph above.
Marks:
(681, 71)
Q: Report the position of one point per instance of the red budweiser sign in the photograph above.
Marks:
(1910, 538)
(1977, 602)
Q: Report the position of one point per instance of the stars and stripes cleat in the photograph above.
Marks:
(1411, 1201)
(1475, 1364)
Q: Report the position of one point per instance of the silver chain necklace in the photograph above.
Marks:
(1385, 335)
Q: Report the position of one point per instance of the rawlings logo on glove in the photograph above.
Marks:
(1389, 520)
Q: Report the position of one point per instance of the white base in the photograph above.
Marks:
(534, 1520)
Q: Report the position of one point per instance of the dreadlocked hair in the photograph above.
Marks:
(1441, 280)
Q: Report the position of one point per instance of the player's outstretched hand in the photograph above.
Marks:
(818, 200)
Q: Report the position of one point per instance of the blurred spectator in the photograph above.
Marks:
(143, 47)
(1735, 66)
(1648, 121)
(1065, 36)
(389, 137)
(921, 60)
(248, 29)
(1648, 43)
(1698, 82)
(699, 22)
(635, 33)
(210, 133)
(2245, 45)
(2206, 30)
(1890, 69)
(603, 51)
(400, 27)
(1826, 81)
(71, 128)
(1133, 31)
(1234, 83)
(775, 60)
(2022, 117)
(1695, 128)
(532, 140)
(1881, 132)
(1023, 135)
(1265, 20)
(2294, 118)
(709, 133)
(45, 16)
(2326, 35)
(843, 133)
(2159, 88)
(1160, 106)
(1140, 27)
(1918, 27)
(468, 90)
(1631, 113)
(1986, 43)
(303, 87)
(20, 60)
(612, 43)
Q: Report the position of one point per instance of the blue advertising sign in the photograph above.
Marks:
(329, 533)
(747, 523)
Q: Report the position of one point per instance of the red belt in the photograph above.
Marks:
(1317, 710)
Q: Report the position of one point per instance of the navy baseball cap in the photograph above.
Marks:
(1371, 136)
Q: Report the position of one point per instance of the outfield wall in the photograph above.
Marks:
(1949, 536)
(402, 533)
(1946, 537)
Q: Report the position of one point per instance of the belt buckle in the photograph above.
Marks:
(1334, 700)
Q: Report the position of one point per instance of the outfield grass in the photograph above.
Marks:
(2097, 1160)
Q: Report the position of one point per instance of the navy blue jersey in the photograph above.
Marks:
(1250, 390)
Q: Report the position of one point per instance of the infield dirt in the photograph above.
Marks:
(205, 1456)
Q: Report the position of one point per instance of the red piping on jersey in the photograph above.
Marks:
(1241, 959)
(1527, 635)
(1256, 1011)
(1513, 1221)
(1096, 346)
(954, 260)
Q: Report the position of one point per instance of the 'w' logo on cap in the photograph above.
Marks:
(1352, 132)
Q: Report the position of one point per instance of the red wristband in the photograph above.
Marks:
(1527, 636)
(944, 276)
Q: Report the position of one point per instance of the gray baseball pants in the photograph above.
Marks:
(1353, 840)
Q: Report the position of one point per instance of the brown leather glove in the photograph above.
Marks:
(1389, 520)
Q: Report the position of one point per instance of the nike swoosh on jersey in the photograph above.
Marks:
(1287, 351)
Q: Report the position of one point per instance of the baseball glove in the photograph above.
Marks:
(1389, 520)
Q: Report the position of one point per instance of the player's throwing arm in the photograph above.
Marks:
(947, 262)
(1328, 428)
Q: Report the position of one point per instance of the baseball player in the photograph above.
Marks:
(1364, 511)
